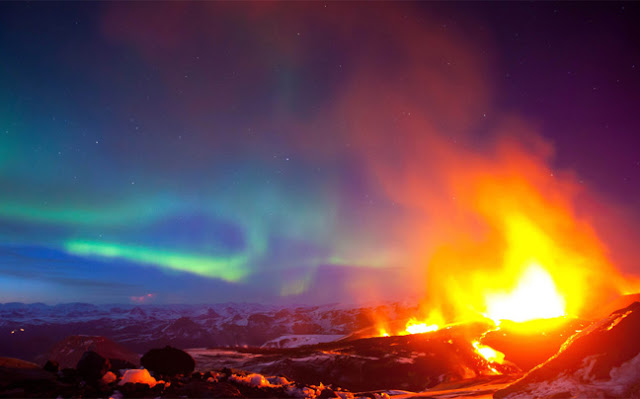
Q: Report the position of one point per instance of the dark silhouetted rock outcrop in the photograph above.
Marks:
(168, 361)
(91, 366)
(51, 366)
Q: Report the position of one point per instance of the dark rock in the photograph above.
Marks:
(197, 376)
(259, 319)
(51, 366)
(137, 390)
(19, 378)
(168, 361)
(184, 332)
(225, 390)
(68, 375)
(542, 341)
(119, 364)
(92, 366)
(306, 328)
(202, 389)
(328, 393)
(13, 393)
(603, 360)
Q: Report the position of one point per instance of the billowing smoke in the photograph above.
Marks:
(407, 96)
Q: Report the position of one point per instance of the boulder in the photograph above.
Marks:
(51, 366)
(137, 390)
(168, 361)
(91, 366)
(120, 364)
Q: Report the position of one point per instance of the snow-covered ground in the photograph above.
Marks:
(294, 341)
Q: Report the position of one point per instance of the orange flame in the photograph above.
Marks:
(511, 247)
(416, 327)
(431, 323)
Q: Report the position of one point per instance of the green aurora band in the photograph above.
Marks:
(228, 268)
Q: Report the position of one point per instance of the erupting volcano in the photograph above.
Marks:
(319, 199)
(511, 247)
(511, 261)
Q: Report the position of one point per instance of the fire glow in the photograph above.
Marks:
(416, 327)
(491, 355)
(534, 298)
(510, 248)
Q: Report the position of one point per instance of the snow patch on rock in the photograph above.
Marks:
(138, 376)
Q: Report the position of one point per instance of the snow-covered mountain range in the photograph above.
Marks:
(29, 330)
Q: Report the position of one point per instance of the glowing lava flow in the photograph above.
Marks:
(535, 297)
(490, 354)
(416, 327)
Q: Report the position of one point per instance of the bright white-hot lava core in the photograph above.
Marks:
(535, 297)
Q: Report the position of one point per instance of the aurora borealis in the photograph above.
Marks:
(212, 151)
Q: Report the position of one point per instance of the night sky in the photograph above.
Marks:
(191, 152)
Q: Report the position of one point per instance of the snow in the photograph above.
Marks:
(242, 322)
(345, 395)
(291, 388)
(295, 341)
(582, 384)
(392, 392)
(304, 392)
(40, 314)
(222, 353)
(138, 376)
(259, 380)
(313, 358)
(278, 380)
(254, 380)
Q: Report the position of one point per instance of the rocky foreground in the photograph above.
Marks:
(166, 372)
(600, 359)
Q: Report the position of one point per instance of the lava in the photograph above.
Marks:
(416, 327)
(487, 352)
(535, 297)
